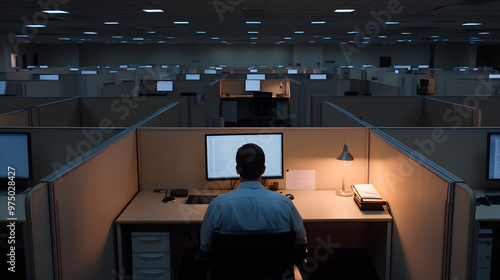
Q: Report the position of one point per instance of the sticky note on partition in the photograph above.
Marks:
(300, 179)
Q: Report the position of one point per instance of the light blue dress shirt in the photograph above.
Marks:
(250, 207)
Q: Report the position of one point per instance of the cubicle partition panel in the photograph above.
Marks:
(90, 85)
(403, 111)
(380, 89)
(64, 113)
(39, 238)
(418, 197)
(9, 104)
(16, 118)
(334, 116)
(461, 151)
(169, 116)
(439, 113)
(41, 88)
(175, 158)
(128, 88)
(86, 200)
(212, 102)
(490, 115)
(297, 108)
(126, 111)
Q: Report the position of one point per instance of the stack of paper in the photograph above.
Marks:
(367, 197)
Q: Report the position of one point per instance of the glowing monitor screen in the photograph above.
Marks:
(88, 72)
(494, 156)
(220, 154)
(256, 76)
(494, 76)
(292, 71)
(252, 85)
(15, 156)
(165, 86)
(210, 71)
(317, 77)
(3, 86)
(192, 76)
(49, 77)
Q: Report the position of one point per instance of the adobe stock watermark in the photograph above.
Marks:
(371, 30)
(38, 18)
(223, 6)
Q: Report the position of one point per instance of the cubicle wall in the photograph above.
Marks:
(490, 115)
(297, 108)
(439, 113)
(16, 118)
(165, 155)
(86, 199)
(237, 87)
(461, 151)
(128, 88)
(41, 88)
(10, 104)
(212, 103)
(334, 116)
(39, 234)
(168, 116)
(64, 113)
(419, 196)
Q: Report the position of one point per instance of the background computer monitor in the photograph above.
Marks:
(3, 87)
(164, 86)
(256, 76)
(220, 154)
(317, 76)
(192, 76)
(493, 166)
(293, 71)
(210, 71)
(252, 85)
(51, 77)
(15, 152)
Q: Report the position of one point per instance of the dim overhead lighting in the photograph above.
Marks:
(253, 22)
(181, 22)
(392, 22)
(472, 24)
(405, 33)
(111, 22)
(312, 42)
(382, 37)
(201, 32)
(352, 32)
(116, 37)
(151, 32)
(253, 32)
(344, 10)
(254, 38)
(299, 32)
(287, 38)
(484, 33)
(55, 12)
(153, 10)
(90, 33)
(215, 38)
(64, 39)
(138, 39)
(318, 22)
(35, 25)
(327, 38)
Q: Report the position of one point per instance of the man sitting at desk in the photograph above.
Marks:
(250, 206)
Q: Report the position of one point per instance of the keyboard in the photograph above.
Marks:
(200, 198)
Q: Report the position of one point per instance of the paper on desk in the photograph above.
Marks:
(301, 179)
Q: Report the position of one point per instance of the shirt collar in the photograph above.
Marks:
(250, 185)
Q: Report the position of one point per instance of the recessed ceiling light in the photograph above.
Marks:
(35, 25)
(64, 39)
(405, 33)
(215, 38)
(472, 24)
(181, 22)
(253, 32)
(484, 33)
(352, 32)
(299, 32)
(254, 38)
(161, 42)
(22, 36)
(55, 12)
(111, 22)
(151, 32)
(434, 36)
(117, 37)
(382, 37)
(392, 22)
(123, 42)
(201, 32)
(138, 39)
(153, 10)
(318, 22)
(288, 38)
(253, 22)
(312, 42)
(344, 10)
(170, 38)
(90, 33)
(253, 43)
(327, 38)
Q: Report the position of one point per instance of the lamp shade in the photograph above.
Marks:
(346, 156)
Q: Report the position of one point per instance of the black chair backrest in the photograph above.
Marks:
(261, 103)
(253, 254)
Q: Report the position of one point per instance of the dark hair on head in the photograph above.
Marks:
(250, 161)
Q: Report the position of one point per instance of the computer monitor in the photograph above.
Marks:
(252, 85)
(210, 71)
(317, 76)
(192, 76)
(162, 86)
(220, 154)
(51, 77)
(3, 87)
(493, 166)
(293, 71)
(15, 156)
(256, 76)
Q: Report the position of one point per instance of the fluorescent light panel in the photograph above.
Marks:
(344, 10)
(153, 10)
(181, 22)
(253, 22)
(55, 12)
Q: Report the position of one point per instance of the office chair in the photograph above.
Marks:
(253, 255)
(261, 105)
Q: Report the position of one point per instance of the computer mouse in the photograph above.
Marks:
(168, 199)
(289, 195)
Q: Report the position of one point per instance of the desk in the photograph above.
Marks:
(237, 108)
(319, 209)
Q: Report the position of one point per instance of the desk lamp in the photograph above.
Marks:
(345, 156)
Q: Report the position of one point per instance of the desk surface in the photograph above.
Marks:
(487, 213)
(314, 206)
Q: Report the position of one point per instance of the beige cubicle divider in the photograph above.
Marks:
(480, 99)
(126, 111)
(87, 196)
(379, 89)
(122, 89)
(297, 108)
(16, 118)
(212, 92)
(169, 116)
(63, 113)
(41, 88)
(10, 104)
(334, 116)
(439, 113)
(237, 87)
(90, 85)
(461, 151)
(418, 195)
(39, 238)
(175, 158)
(401, 111)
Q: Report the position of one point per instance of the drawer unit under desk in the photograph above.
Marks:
(151, 255)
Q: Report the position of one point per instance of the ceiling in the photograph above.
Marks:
(224, 21)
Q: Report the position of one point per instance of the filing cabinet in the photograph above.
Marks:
(151, 255)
